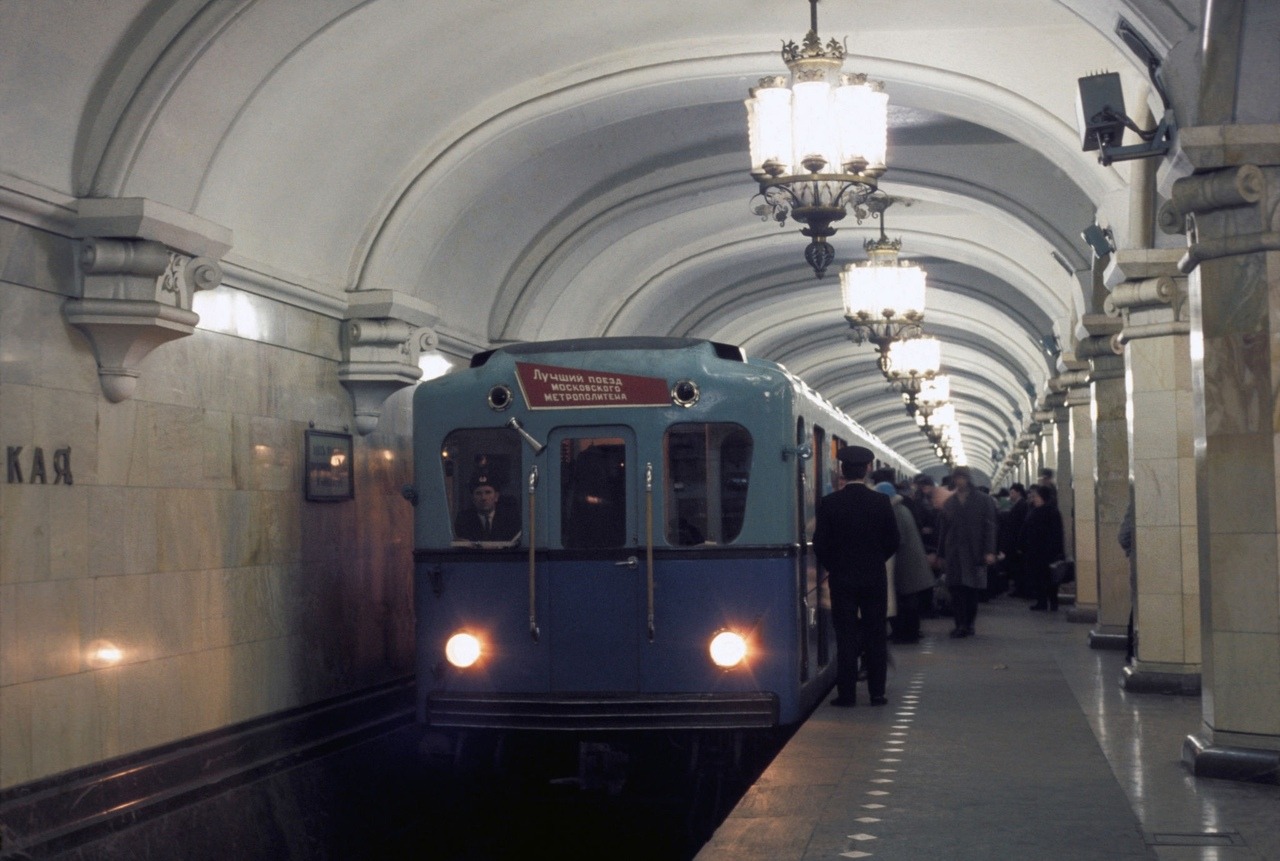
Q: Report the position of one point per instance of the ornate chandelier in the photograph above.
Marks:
(912, 361)
(883, 297)
(818, 145)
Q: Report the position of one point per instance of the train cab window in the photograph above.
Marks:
(707, 473)
(482, 486)
(593, 492)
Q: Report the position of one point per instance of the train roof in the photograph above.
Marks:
(727, 352)
(589, 345)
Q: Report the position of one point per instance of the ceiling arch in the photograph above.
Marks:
(540, 170)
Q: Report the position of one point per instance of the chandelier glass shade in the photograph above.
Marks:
(883, 288)
(935, 392)
(915, 359)
(818, 143)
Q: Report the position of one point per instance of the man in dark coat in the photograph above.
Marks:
(855, 534)
(967, 543)
(489, 518)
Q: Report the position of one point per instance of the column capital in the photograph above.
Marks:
(140, 264)
(383, 333)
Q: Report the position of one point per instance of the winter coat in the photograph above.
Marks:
(968, 534)
(911, 571)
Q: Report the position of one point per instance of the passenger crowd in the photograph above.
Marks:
(899, 552)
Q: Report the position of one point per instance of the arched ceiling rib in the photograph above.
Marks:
(594, 180)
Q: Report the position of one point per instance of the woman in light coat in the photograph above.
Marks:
(912, 575)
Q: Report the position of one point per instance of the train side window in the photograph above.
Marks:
(593, 492)
(482, 486)
(708, 472)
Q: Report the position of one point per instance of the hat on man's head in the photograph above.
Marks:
(886, 488)
(924, 480)
(855, 454)
(962, 471)
(482, 480)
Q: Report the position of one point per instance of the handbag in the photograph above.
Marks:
(1062, 571)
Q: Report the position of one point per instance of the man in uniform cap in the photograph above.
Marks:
(488, 519)
(855, 534)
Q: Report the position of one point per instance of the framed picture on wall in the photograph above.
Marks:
(329, 475)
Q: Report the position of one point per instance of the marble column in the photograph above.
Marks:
(1111, 479)
(1066, 474)
(1079, 403)
(1150, 293)
(1230, 210)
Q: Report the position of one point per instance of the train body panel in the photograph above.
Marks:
(651, 494)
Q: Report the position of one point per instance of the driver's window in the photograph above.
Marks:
(482, 477)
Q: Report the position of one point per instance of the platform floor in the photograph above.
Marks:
(1015, 744)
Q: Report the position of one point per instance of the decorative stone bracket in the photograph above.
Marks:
(140, 264)
(1149, 293)
(382, 336)
(1100, 347)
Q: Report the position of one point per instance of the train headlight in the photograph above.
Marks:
(462, 650)
(728, 649)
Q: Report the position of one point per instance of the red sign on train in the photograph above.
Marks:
(547, 387)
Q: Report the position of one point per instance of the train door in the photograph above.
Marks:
(595, 581)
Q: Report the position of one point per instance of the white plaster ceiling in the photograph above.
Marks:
(553, 168)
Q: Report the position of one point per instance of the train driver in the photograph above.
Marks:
(490, 517)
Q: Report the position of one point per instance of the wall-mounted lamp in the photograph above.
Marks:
(1100, 239)
(1100, 114)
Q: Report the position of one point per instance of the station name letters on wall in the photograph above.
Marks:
(37, 473)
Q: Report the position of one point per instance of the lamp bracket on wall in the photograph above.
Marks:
(1100, 112)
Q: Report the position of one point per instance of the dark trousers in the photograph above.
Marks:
(858, 613)
(1046, 590)
(964, 603)
(906, 625)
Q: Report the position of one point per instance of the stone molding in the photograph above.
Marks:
(140, 264)
(1206, 759)
(1138, 680)
(1237, 166)
(1148, 293)
(382, 336)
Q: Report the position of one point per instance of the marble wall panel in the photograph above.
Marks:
(177, 612)
(189, 531)
(186, 541)
(1184, 411)
(1245, 589)
(36, 258)
(69, 532)
(24, 533)
(1191, 629)
(15, 741)
(65, 729)
(1190, 539)
(1160, 628)
(1239, 483)
(40, 347)
(123, 615)
(1237, 385)
(1155, 422)
(206, 690)
(1159, 560)
(1246, 685)
(268, 453)
(41, 628)
(1158, 492)
(1151, 364)
(122, 530)
(149, 703)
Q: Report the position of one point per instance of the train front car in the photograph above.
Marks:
(610, 535)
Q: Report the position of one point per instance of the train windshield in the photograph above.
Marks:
(482, 478)
(708, 470)
(593, 491)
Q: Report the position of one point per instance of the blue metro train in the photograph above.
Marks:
(614, 534)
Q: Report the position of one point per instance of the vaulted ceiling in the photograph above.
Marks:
(556, 168)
